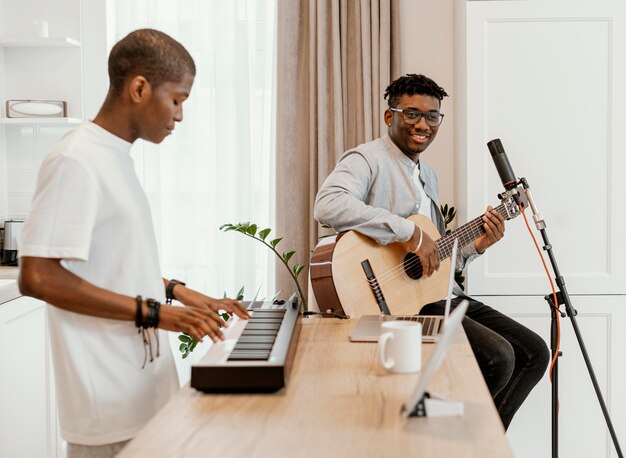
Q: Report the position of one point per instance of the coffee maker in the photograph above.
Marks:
(11, 243)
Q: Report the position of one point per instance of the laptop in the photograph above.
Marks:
(368, 327)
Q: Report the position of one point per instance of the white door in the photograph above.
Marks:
(546, 77)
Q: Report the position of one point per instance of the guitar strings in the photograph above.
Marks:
(471, 230)
(445, 249)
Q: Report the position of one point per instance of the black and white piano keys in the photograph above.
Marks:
(256, 355)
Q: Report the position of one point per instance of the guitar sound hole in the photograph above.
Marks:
(413, 266)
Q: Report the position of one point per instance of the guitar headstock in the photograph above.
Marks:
(512, 200)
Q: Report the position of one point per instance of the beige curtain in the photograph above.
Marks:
(334, 60)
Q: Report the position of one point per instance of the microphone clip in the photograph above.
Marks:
(513, 199)
(540, 223)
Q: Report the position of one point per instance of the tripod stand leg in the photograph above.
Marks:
(596, 386)
(554, 351)
(563, 298)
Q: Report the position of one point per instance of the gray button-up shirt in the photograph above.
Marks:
(372, 192)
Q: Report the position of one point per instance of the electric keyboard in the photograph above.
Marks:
(256, 355)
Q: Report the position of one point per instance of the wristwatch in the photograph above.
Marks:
(169, 290)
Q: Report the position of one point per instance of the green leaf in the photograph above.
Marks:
(184, 338)
(240, 294)
(297, 269)
(287, 255)
(225, 316)
(251, 229)
(264, 233)
(275, 242)
(185, 355)
(182, 346)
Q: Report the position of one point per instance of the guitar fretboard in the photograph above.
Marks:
(467, 233)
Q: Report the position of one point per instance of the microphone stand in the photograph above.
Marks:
(563, 298)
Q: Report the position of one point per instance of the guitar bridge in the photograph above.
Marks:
(375, 287)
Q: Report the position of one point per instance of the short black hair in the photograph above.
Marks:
(149, 53)
(412, 84)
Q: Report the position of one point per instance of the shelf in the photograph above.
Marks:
(33, 42)
(46, 121)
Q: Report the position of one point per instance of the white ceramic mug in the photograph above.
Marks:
(400, 346)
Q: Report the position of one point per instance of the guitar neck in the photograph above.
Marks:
(466, 234)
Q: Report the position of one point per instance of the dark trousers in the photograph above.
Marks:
(511, 357)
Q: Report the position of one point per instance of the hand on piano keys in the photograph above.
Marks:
(201, 316)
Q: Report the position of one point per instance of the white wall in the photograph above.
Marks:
(427, 47)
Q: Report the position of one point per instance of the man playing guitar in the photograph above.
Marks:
(377, 185)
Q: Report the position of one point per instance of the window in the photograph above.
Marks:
(218, 166)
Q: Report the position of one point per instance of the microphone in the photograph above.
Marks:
(503, 166)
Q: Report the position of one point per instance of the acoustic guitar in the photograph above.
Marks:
(352, 274)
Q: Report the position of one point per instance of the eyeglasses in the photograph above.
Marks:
(433, 119)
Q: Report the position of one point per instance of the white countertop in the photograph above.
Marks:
(8, 284)
(9, 272)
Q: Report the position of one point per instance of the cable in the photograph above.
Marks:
(556, 302)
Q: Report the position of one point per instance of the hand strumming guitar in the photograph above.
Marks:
(428, 253)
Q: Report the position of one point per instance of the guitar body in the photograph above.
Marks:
(338, 266)
(342, 286)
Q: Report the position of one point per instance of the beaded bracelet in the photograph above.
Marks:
(139, 314)
(152, 320)
(153, 314)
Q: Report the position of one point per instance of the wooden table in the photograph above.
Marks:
(337, 402)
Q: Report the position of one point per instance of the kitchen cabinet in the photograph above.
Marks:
(42, 68)
(36, 68)
(28, 418)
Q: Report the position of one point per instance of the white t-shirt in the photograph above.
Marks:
(90, 211)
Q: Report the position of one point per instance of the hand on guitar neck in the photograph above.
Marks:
(428, 253)
(494, 230)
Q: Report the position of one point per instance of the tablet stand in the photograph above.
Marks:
(435, 406)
